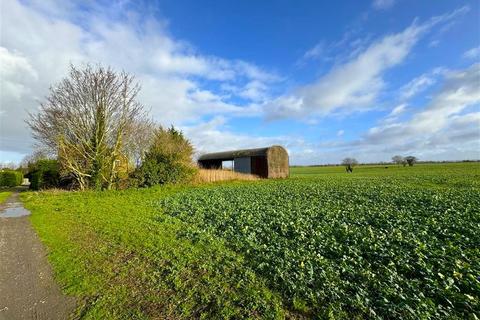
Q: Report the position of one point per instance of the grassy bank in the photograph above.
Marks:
(4, 195)
(397, 242)
(119, 252)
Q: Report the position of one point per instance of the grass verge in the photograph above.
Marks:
(4, 196)
(126, 260)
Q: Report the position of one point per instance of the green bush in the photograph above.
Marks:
(169, 160)
(10, 178)
(44, 174)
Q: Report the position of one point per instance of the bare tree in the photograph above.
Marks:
(137, 144)
(86, 120)
(399, 160)
(8, 165)
(411, 160)
(37, 154)
(349, 163)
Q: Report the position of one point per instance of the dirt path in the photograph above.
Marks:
(27, 287)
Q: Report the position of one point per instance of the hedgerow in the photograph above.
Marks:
(10, 178)
(44, 174)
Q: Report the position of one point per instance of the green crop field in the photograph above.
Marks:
(395, 243)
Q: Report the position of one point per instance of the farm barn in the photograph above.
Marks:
(271, 162)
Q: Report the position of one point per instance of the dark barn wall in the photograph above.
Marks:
(210, 164)
(259, 166)
(242, 165)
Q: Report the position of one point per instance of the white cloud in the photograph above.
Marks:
(16, 70)
(398, 110)
(355, 84)
(420, 83)
(314, 52)
(383, 4)
(17, 90)
(182, 86)
(215, 135)
(459, 91)
(447, 128)
(352, 85)
(473, 53)
(41, 38)
(254, 90)
(416, 85)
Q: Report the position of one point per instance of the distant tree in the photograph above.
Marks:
(168, 160)
(411, 160)
(398, 160)
(86, 121)
(349, 163)
(8, 165)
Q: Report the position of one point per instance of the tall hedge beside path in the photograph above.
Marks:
(10, 178)
(44, 174)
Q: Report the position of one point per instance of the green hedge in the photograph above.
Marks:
(10, 178)
(44, 174)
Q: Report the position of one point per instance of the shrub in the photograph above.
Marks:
(10, 178)
(44, 174)
(168, 160)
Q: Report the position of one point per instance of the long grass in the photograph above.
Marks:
(4, 195)
(212, 175)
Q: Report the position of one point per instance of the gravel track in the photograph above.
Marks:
(27, 287)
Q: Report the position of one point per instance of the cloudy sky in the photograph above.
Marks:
(326, 79)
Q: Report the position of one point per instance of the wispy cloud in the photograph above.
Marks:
(459, 92)
(397, 110)
(183, 86)
(446, 128)
(420, 83)
(215, 135)
(355, 84)
(473, 53)
(383, 4)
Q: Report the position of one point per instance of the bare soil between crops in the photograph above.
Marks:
(27, 287)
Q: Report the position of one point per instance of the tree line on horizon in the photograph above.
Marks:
(350, 163)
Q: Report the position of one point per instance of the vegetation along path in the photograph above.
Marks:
(27, 287)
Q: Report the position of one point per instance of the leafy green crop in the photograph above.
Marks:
(396, 243)
(403, 246)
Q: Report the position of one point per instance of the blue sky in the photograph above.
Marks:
(368, 79)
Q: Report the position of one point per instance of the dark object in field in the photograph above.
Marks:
(271, 162)
(411, 160)
(349, 163)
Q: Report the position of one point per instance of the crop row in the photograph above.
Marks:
(353, 248)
